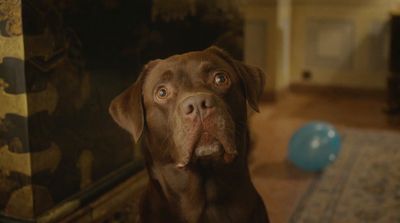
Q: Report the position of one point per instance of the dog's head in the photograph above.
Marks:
(191, 106)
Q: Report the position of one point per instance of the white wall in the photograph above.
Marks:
(260, 41)
(284, 21)
(341, 42)
(267, 40)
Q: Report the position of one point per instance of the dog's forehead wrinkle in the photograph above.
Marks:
(177, 74)
(166, 75)
(186, 71)
(183, 79)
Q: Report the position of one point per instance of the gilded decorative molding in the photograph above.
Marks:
(85, 165)
(45, 100)
(38, 101)
(16, 104)
(11, 47)
(48, 159)
(22, 202)
(29, 163)
(10, 12)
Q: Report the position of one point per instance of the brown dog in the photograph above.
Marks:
(191, 113)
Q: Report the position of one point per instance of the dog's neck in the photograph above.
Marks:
(204, 193)
(200, 194)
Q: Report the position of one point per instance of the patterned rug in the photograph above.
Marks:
(363, 185)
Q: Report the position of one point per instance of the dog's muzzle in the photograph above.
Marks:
(209, 130)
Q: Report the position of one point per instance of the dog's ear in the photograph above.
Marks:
(127, 108)
(253, 78)
(254, 83)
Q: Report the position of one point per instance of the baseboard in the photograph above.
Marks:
(338, 90)
(273, 96)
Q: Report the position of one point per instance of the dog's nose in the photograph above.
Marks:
(201, 104)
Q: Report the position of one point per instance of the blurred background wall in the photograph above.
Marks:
(319, 42)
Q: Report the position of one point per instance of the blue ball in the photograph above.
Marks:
(314, 146)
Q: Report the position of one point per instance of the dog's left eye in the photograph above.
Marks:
(162, 93)
(221, 79)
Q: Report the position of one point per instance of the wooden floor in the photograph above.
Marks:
(279, 183)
